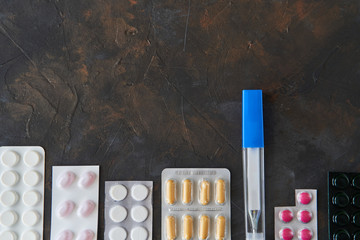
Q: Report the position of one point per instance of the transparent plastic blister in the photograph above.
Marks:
(75, 202)
(22, 192)
(206, 215)
(128, 210)
(299, 221)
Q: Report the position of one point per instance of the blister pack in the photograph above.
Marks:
(75, 200)
(22, 192)
(128, 210)
(299, 221)
(195, 204)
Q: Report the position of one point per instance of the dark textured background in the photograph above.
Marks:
(137, 86)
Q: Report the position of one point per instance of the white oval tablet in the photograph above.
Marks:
(8, 218)
(117, 233)
(32, 158)
(10, 158)
(31, 198)
(86, 235)
(9, 198)
(30, 235)
(117, 214)
(118, 192)
(8, 235)
(139, 192)
(139, 213)
(9, 178)
(30, 218)
(31, 178)
(139, 233)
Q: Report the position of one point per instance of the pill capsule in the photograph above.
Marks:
(220, 191)
(170, 228)
(187, 227)
(204, 192)
(204, 227)
(220, 228)
(186, 191)
(170, 192)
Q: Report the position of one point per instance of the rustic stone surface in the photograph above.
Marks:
(137, 86)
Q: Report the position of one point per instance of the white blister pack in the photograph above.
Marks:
(22, 193)
(75, 201)
(195, 204)
(128, 210)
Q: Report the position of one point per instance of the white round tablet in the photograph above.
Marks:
(117, 233)
(8, 218)
(32, 158)
(139, 192)
(9, 198)
(31, 198)
(118, 192)
(30, 235)
(139, 213)
(10, 158)
(9, 178)
(118, 214)
(139, 233)
(32, 178)
(30, 218)
(8, 235)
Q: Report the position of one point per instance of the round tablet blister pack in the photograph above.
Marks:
(8, 218)
(30, 235)
(10, 158)
(31, 198)
(9, 198)
(32, 158)
(30, 218)
(139, 192)
(139, 213)
(9, 178)
(32, 178)
(139, 233)
(117, 233)
(118, 214)
(8, 235)
(118, 192)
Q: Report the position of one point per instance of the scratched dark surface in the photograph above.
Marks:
(138, 86)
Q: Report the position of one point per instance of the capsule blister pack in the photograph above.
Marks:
(128, 210)
(22, 192)
(299, 221)
(75, 200)
(195, 204)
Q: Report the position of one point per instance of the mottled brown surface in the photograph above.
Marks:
(137, 86)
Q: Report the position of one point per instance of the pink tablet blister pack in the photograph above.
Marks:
(21, 193)
(75, 200)
(299, 221)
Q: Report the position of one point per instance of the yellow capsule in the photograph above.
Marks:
(170, 191)
(204, 192)
(220, 228)
(170, 228)
(187, 227)
(204, 227)
(186, 191)
(220, 191)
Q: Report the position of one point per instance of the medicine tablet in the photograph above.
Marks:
(220, 191)
(9, 198)
(286, 234)
(304, 234)
(118, 192)
(30, 218)
(31, 198)
(220, 228)
(86, 235)
(139, 192)
(9, 178)
(117, 233)
(32, 178)
(8, 235)
(170, 192)
(8, 218)
(186, 191)
(118, 214)
(30, 235)
(139, 213)
(304, 197)
(65, 235)
(286, 215)
(204, 227)
(65, 179)
(187, 227)
(10, 158)
(304, 216)
(64, 209)
(32, 158)
(204, 192)
(139, 233)
(170, 228)
(87, 179)
(86, 208)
